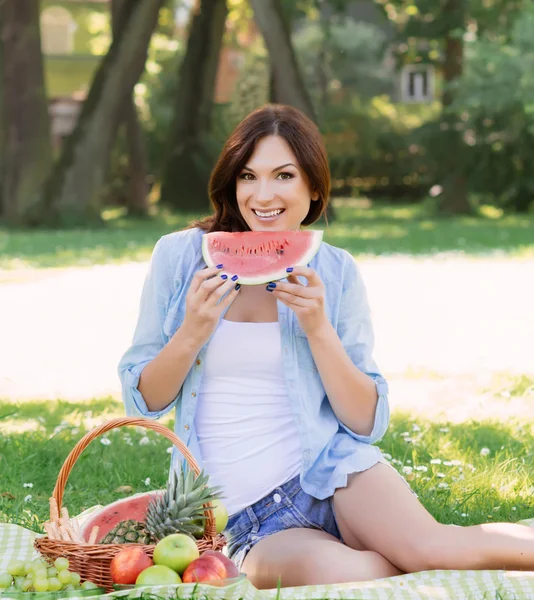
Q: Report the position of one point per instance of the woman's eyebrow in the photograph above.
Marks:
(245, 168)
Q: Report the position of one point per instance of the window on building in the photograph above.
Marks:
(57, 31)
(417, 83)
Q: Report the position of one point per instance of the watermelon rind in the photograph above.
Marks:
(316, 238)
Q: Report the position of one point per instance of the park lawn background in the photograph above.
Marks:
(477, 469)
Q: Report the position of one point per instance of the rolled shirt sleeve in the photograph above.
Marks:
(355, 330)
(149, 337)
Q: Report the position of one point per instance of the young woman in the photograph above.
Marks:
(276, 391)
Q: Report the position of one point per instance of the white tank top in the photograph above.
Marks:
(247, 432)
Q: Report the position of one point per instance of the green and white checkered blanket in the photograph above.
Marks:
(16, 543)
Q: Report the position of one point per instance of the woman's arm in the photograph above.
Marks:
(352, 394)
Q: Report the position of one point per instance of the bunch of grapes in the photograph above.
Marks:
(40, 576)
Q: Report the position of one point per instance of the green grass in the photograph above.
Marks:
(362, 227)
(471, 485)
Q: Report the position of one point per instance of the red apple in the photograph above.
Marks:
(231, 567)
(205, 568)
(128, 563)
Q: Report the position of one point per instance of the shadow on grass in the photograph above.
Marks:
(361, 227)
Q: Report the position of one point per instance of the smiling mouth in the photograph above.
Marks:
(268, 213)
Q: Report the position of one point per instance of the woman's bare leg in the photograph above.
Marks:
(385, 516)
(310, 556)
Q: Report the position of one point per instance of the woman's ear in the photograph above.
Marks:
(315, 196)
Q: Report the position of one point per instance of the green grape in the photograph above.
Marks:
(89, 585)
(39, 573)
(41, 585)
(19, 581)
(64, 576)
(54, 585)
(74, 578)
(15, 568)
(61, 564)
(27, 585)
(69, 587)
(5, 580)
(51, 571)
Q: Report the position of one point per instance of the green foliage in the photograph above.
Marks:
(496, 100)
(351, 54)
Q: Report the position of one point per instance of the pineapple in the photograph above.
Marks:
(180, 509)
(128, 532)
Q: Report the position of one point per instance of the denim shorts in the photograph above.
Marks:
(286, 507)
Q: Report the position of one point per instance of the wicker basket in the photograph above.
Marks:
(92, 562)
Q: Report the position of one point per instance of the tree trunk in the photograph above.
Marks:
(186, 174)
(454, 199)
(25, 143)
(288, 84)
(73, 193)
(137, 195)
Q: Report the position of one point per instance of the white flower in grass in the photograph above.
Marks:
(514, 508)
(408, 440)
(422, 468)
(407, 470)
(27, 498)
(169, 449)
(447, 463)
(444, 430)
(405, 434)
(435, 461)
(425, 479)
(441, 475)
(470, 466)
(144, 441)
(485, 452)
(496, 508)
(456, 463)
(28, 485)
(147, 481)
(465, 515)
(416, 427)
(105, 441)
(443, 485)
(409, 461)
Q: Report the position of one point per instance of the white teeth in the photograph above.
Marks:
(271, 213)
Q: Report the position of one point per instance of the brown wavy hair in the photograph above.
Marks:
(303, 138)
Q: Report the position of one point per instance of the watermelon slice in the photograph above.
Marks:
(134, 507)
(258, 257)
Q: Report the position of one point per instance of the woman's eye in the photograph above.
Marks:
(285, 175)
(246, 176)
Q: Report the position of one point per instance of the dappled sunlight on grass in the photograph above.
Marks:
(363, 227)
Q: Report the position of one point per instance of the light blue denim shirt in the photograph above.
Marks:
(330, 450)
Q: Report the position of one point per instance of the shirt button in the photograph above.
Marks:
(198, 361)
(193, 394)
(186, 427)
(277, 498)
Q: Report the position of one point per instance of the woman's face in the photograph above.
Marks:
(272, 190)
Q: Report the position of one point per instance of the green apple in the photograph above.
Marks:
(221, 515)
(176, 551)
(158, 575)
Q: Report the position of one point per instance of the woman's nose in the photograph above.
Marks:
(265, 192)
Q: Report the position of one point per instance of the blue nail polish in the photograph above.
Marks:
(289, 269)
(223, 276)
(271, 285)
(269, 289)
(235, 278)
(219, 266)
(238, 285)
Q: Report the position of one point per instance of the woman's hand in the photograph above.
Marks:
(205, 304)
(306, 301)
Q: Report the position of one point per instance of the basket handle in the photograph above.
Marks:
(210, 528)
